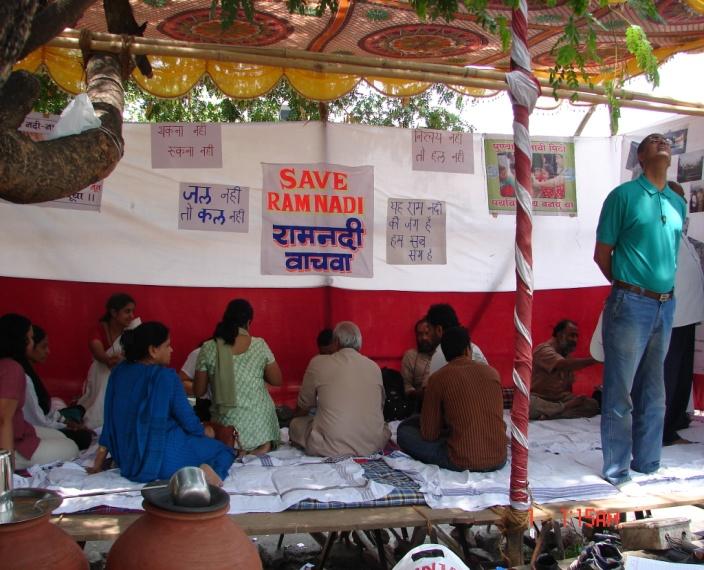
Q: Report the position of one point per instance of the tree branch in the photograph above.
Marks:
(32, 172)
(15, 25)
(120, 19)
(52, 20)
(17, 98)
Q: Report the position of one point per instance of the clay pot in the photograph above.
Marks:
(38, 543)
(167, 540)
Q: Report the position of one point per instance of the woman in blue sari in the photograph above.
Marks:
(150, 429)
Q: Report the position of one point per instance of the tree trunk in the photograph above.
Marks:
(32, 172)
(51, 20)
(15, 25)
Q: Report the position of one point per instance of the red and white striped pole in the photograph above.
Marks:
(524, 91)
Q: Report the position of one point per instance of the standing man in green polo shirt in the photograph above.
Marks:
(636, 249)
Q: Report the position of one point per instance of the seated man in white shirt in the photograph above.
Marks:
(441, 317)
(187, 374)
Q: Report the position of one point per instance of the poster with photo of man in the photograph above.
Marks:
(552, 173)
(696, 198)
(678, 141)
(689, 166)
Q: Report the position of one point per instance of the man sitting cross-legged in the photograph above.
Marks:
(551, 394)
(348, 391)
(461, 426)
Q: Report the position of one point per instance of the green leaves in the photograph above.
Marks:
(638, 45)
(437, 108)
(566, 56)
(646, 9)
(614, 105)
(230, 9)
(51, 99)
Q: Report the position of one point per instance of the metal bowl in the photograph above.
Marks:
(189, 488)
(29, 503)
(158, 495)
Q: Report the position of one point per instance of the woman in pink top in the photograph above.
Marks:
(28, 445)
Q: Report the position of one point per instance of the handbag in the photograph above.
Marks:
(226, 434)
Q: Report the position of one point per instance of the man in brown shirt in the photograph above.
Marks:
(551, 394)
(347, 389)
(461, 426)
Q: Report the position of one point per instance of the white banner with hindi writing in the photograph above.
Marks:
(213, 207)
(186, 145)
(317, 219)
(415, 232)
(442, 151)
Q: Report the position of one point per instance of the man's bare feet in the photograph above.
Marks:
(210, 476)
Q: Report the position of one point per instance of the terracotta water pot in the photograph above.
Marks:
(163, 539)
(36, 542)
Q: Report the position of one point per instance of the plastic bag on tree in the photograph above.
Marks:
(431, 557)
(78, 116)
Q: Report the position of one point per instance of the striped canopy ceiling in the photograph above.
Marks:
(387, 29)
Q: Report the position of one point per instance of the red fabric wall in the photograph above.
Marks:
(289, 320)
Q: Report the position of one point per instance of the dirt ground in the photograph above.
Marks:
(302, 552)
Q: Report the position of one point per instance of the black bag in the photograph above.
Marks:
(397, 406)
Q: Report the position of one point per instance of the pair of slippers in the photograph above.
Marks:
(604, 554)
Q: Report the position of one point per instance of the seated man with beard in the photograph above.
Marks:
(461, 426)
(551, 396)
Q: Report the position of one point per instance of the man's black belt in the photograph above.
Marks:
(662, 297)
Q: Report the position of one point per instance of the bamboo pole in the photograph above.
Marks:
(212, 50)
(115, 45)
(585, 120)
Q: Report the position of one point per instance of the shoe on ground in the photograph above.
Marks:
(546, 561)
(599, 556)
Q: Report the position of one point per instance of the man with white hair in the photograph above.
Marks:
(347, 390)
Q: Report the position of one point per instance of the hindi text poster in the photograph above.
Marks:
(442, 151)
(415, 232)
(186, 145)
(317, 219)
(554, 187)
(213, 207)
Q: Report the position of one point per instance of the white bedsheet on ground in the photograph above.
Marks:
(564, 464)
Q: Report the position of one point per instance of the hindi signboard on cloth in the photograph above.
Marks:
(213, 207)
(442, 151)
(186, 145)
(38, 126)
(317, 219)
(554, 187)
(415, 232)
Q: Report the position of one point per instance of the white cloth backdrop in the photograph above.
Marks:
(134, 239)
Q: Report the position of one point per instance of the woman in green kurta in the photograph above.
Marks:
(236, 366)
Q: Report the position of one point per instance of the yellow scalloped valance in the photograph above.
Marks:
(176, 76)
(696, 5)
